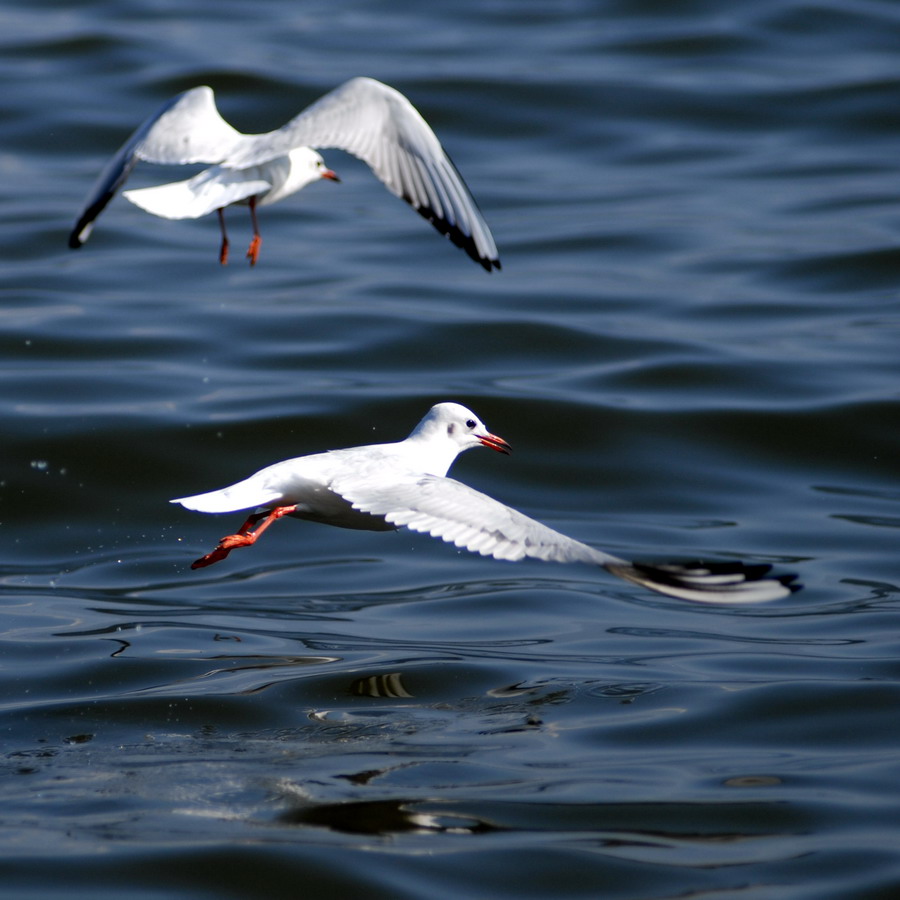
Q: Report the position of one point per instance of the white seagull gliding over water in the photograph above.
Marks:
(363, 117)
(385, 486)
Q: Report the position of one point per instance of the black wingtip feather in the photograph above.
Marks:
(458, 237)
(82, 229)
(674, 573)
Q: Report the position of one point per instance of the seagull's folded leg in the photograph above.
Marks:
(223, 250)
(253, 249)
(244, 537)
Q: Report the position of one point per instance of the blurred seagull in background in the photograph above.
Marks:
(363, 117)
(386, 486)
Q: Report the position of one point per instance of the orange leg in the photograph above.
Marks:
(253, 249)
(244, 536)
(223, 250)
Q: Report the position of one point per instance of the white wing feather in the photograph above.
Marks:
(460, 515)
(191, 130)
(378, 125)
(454, 512)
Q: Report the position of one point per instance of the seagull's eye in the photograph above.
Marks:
(470, 424)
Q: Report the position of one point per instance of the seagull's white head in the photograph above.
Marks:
(306, 167)
(458, 427)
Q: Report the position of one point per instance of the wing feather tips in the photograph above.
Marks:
(111, 179)
(456, 235)
(85, 224)
(445, 201)
(716, 582)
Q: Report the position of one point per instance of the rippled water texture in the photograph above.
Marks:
(692, 348)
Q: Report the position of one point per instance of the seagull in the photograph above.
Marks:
(382, 487)
(364, 117)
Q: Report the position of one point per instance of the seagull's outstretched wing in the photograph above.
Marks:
(447, 509)
(454, 512)
(380, 126)
(185, 129)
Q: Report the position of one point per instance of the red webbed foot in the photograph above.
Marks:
(210, 558)
(253, 249)
(244, 536)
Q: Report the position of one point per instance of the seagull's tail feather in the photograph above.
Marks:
(212, 189)
(702, 582)
(243, 495)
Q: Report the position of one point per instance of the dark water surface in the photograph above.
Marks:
(692, 347)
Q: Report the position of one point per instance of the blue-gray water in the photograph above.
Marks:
(692, 347)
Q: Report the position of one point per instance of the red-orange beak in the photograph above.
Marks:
(495, 443)
(327, 173)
